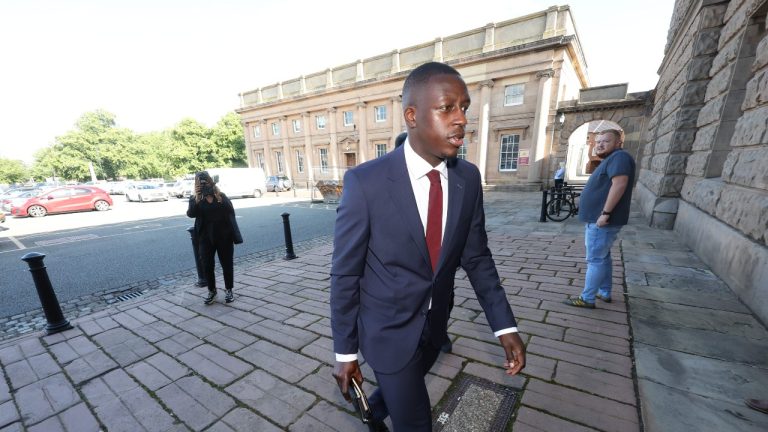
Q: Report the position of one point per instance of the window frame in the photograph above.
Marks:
(513, 154)
(320, 125)
(380, 113)
(379, 147)
(299, 161)
(510, 99)
(296, 123)
(280, 162)
(351, 118)
(275, 129)
(323, 160)
(256, 131)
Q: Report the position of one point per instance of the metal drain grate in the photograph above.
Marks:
(476, 405)
(129, 296)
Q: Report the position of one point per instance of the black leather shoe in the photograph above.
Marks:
(447, 347)
(377, 426)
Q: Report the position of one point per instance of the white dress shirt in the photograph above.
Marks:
(417, 172)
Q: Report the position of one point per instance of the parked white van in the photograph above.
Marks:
(240, 182)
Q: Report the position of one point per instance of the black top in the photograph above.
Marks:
(215, 220)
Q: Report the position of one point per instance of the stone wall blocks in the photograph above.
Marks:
(688, 116)
(694, 93)
(651, 180)
(751, 128)
(761, 56)
(706, 42)
(673, 102)
(746, 210)
(697, 163)
(671, 185)
(676, 163)
(703, 193)
(659, 163)
(683, 140)
(667, 125)
(705, 137)
(711, 111)
(720, 82)
(663, 143)
(645, 162)
(699, 68)
(712, 16)
(725, 55)
(735, 19)
(756, 91)
(750, 167)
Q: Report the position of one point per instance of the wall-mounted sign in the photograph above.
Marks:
(522, 157)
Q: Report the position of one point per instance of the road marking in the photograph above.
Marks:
(18, 244)
(69, 239)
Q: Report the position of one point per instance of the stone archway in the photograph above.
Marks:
(580, 159)
(629, 111)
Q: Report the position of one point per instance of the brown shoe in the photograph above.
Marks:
(757, 404)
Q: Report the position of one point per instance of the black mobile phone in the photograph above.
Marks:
(360, 401)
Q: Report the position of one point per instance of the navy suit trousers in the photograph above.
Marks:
(403, 395)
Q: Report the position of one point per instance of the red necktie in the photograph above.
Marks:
(434, 217)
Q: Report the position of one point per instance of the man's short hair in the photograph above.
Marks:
(615, 132)
(419, 76)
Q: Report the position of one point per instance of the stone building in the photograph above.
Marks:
(315, 126)
(704, 170)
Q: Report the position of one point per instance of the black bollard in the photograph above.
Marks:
(543, 216)
(56, 321)
(201, 282)
(289, 255)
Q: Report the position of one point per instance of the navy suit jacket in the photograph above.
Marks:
(381, 277)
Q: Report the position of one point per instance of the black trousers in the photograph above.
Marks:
(403, 395)
(225, 249)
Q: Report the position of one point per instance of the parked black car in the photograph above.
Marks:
(278, 183)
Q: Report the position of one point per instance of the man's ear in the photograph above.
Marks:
(410, 116)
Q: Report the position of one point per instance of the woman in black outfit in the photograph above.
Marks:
(217, 232)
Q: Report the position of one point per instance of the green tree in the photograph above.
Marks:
(13, 171)
(228, 137)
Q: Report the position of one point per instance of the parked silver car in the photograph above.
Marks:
(145, 192)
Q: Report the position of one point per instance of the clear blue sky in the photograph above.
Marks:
(155, 62)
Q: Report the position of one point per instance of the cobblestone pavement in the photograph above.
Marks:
(166, 362)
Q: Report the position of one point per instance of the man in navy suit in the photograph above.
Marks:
(405, 222)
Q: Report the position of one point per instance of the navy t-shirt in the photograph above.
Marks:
(596, 191)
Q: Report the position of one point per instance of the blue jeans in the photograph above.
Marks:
(598, 242)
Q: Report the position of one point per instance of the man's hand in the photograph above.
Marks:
(602, 221)
(515, 352)
(343, 372)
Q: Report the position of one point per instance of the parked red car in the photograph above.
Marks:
(63, 199)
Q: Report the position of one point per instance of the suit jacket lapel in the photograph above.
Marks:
(401, 194)
(455, 202)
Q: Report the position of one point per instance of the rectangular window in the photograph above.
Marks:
(513, 94)
(260, 160)
(508, 155)
(323, 160)
(462, 151)
(296, 126)
(275, 129)
(381, 113)
(256, 131)
(381, 150)
(299, 161)
(320, 122)
(280, 161)
(349, 119)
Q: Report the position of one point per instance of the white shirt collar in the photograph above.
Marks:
(417, 166)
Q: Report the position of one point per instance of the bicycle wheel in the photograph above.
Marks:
(559, 209)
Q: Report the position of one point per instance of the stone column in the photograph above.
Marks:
(308, 148)
(551, 26)
(362, 129)
(438, 57)
(249, 142)
(334, 143)
(540, 119)
(397, 118)
(267, 131)
(483, 128)
(395, 62)
(286, 147)
(490, 36)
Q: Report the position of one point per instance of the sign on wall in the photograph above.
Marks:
(522, 157)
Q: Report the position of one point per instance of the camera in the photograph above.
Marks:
(207, 189)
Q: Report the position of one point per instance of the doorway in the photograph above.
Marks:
(350, 159)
